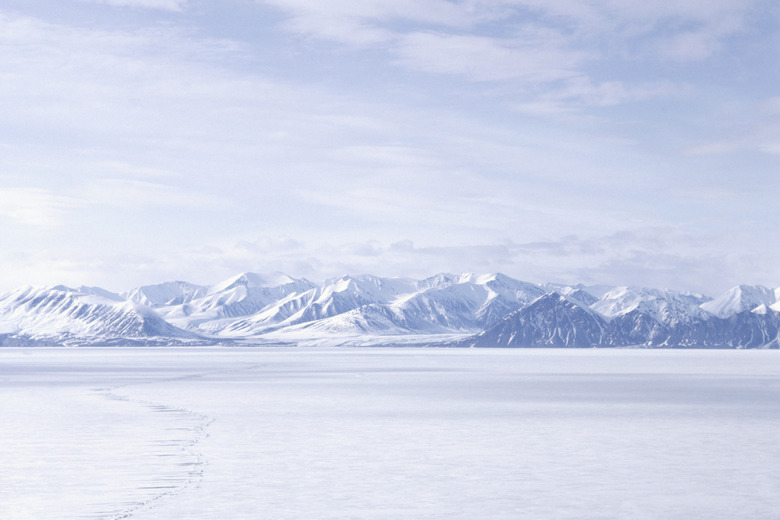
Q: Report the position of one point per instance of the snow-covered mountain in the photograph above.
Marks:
(366, 304)
(232, 299)
(463, 303)
(165, 294)
(739, 299)
(627, 316)
(309, 303)
(480, 309)
(552, 320)
(60, 315)
(665, 306)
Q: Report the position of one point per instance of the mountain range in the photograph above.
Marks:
(468, 310)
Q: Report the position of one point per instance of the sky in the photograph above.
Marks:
(620, 142)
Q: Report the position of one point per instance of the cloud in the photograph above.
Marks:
(366, 22)
(772, 105)
(771, 147)
(682, 30)
(637, 256)
(166, 5)
(610, 93)
(703, 41)
(99, 84)
(436, 36)
(637, 17)
(35, 207)
(748, 127)
(397, 151)
(479, 58)
(653, 257)
(671, 257)
(581, 92)
(45, 208)
(555, 58)
(124, 169)
(133, 193)
(716, 147)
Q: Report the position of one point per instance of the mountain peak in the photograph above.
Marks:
(439, 280)
(740, 298)
(252, 307)
(251, 280)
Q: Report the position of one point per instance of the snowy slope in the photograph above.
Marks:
(663, 305)
(740, 298)
(231, 299)
(333, 298)
(348, 293)
(630, 317)
(370, 320)
(579, 295)
(553, 320)
(60, 315)
(491, 309)
(165, 294)
(466, 302)
(365, 304)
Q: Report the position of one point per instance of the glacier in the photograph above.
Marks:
(466, 310)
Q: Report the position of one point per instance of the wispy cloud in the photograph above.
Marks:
(117, 192)
(442, 38)
(660, 257)
(45, 208)
(35, 207)
(547, 40)
(98, 80)
(581, 92)
(556, 58)
(751, 128)
(167, 5)
(392, 137)
(479, 58)
(366, 22)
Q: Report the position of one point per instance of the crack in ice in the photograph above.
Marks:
(195, 458)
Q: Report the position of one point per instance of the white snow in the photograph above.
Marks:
(273, 308)
(739, 299)
(663, 304)
(203, 433)
(61, 312)
(167, 293)
(353, 305)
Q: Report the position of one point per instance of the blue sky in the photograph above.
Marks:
(610, 141)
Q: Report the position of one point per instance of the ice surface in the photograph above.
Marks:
(296, 433)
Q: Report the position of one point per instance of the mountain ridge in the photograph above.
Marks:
(474, 310)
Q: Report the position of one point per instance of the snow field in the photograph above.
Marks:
(389, 433)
